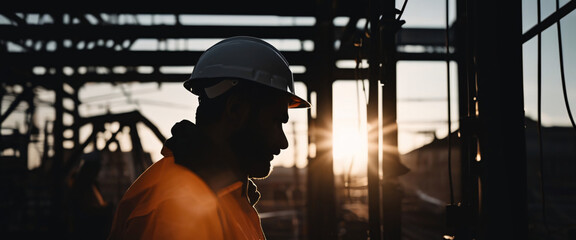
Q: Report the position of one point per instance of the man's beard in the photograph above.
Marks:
(250, 148)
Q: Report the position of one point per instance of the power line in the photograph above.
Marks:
(562, 76)
(447, 32)
(539, 123)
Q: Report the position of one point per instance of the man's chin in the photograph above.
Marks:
(260, 172)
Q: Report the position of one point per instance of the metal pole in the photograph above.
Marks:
(59, 224)
(392, 168)
(460, 217)
(383, 191)
(321, 192)
(501, 120)
(489, 50)
(374, 178)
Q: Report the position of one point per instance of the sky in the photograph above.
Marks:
(554, 111)
(422, 90)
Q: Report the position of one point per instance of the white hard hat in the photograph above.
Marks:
(245, 58)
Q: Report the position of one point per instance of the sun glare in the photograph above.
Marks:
(350, 140)
(350, 150)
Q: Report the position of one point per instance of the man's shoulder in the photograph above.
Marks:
(166, 179)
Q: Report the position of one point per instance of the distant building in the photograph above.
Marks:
(427, 190)
(559, 178)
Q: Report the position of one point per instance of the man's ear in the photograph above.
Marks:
(237, 111)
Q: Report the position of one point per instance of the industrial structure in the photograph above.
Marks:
(59, 49)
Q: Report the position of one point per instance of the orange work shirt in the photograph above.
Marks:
(168, 201)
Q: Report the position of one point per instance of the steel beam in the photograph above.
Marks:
(549, 21)
(120, 32)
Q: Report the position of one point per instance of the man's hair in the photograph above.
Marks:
(210, 109)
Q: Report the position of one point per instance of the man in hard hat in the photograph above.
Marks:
(201, 189)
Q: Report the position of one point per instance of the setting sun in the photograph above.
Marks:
(350, 140)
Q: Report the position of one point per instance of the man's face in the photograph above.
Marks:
(261, 137)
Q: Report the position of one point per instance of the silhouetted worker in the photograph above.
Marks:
(201, 189)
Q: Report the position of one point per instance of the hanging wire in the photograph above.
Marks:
(357, 70)
(562, 76)
(539, 125)
(447, 32)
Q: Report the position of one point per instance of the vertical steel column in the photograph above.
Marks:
(372, 110)
(385, 196)
(462, 218)
(494, 172)
(321, 202)
(59, 224)
(75, 113)
(392, 168)
(137, 149)
(501, 120)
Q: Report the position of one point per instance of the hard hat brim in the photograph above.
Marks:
(295, 101)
